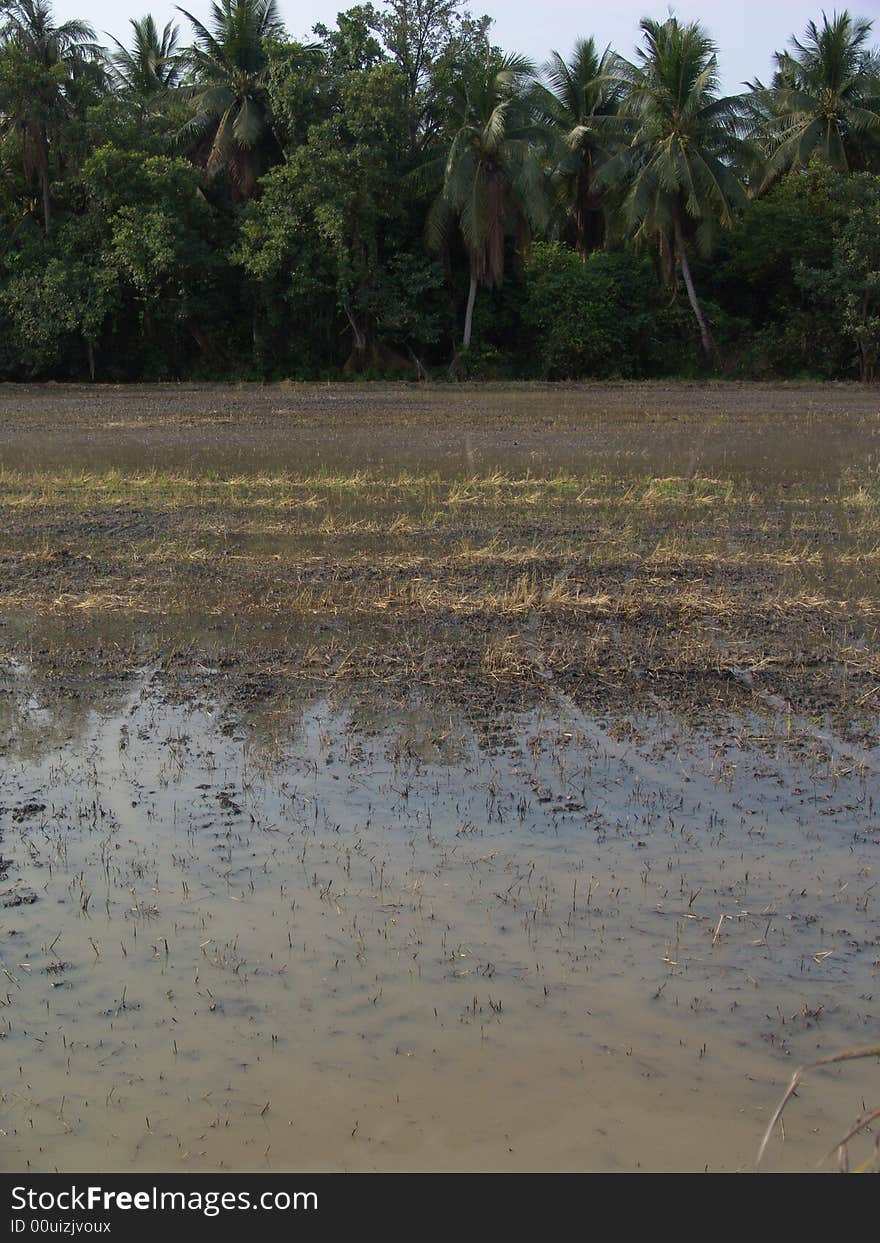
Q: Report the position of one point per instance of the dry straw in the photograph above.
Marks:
(861, 1124)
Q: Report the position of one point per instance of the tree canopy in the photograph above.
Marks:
(398, 195)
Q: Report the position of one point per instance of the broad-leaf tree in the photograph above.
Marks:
(323, 246)
(850, 286)
(429, 40)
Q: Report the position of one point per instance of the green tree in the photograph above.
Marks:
(579, 108)
(151, 66)
(301, 88)
(851, 285)
(492, 176)
(232, 120)
(353, 45)
(824, 101)
(677, 171)
(56, 300)
(132, 272)
(586, 317)
(40, 63)
(323, 246)
(306, 81)
(157, 235)
(429, 40)
(754, 276)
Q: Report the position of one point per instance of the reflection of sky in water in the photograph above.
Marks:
(472, 956)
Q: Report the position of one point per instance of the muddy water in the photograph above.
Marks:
(304, 934)
(327, 937)
(765, 432)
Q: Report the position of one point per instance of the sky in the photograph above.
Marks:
(746, 31)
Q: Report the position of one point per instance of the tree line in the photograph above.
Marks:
(401, 197)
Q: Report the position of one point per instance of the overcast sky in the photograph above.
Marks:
(747, 31)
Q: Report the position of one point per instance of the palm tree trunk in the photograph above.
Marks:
(47, 211)
(360, 340)
(43, 175)
(705, 331)
(582, 246)
(469, 313)
(589, 221)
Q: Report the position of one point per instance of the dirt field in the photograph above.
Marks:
(494, 768)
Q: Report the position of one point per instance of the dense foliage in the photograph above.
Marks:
(400, 197)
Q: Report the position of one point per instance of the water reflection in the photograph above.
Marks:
(305, 934)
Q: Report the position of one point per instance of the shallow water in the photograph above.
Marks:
(752, 431)
(258, 912)
(321, 936)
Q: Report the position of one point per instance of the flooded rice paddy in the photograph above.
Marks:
(441, 780)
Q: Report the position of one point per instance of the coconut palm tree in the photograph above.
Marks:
(152, 64)
(231, 106)
(677, 171)
(47, 57)
(824, 100)
(579, 107)
(492, 177)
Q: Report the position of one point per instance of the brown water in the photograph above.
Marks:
(768, 432)
(328, 937)
(251, 918)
